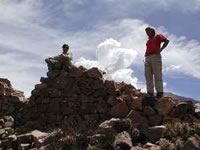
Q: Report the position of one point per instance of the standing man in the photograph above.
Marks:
(153, 62)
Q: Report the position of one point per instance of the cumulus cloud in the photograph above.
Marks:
(114, 60)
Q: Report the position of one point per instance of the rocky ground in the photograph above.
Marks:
(80, 110)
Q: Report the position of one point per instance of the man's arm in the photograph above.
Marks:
(166, 42)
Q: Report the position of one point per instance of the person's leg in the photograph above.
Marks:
(157, 72)
(49, 64)
(149, 76)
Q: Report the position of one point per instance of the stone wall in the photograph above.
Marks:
(11, 100)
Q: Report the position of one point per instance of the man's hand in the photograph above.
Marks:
(166, 42)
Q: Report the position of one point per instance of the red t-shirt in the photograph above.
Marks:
(153, 44)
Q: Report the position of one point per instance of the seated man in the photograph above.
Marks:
(62, 61)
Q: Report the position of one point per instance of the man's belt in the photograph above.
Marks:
(152, 53)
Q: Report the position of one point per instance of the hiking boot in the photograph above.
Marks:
(159, 94)
(150, 94)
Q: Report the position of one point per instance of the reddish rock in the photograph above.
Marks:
(35, 93)
(88, 108)
(76, 72)
(149, 111)
(129, 98)
(85, 99)
(111, 86)
(95, 73)
(136, 104)
(68, 108)
(102, 107)
(114, 100)
(127, 88)
(164, 106)
(40, 86)
(173, 113)
(84, 87)
(137, 118)
(155, 120)
(54, 93)
(120, 110)
(98, 84)
(184, 108)
(54, 106)
(154, 133)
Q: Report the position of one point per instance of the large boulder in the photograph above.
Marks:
(154, 133)
(164, 106)
(137, 117)
(120, 110)
(184, 108)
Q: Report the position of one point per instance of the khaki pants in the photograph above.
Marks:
(153, 73)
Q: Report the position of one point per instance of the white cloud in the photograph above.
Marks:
(114, 60)
(88, 63)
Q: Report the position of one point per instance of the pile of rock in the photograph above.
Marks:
(11, 100)
(83, 98)
(79, 96)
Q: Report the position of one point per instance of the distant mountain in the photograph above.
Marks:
(180, 98)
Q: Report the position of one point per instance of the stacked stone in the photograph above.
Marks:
(80, 95)
(11, 101)
(83, 97)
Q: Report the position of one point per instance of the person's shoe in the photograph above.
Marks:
(150, 94)
(159, 94)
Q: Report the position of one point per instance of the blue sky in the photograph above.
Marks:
(108, 34)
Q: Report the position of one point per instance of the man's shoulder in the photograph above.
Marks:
(160, 37)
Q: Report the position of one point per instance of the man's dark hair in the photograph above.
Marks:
(152, 30)
(65, 46)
